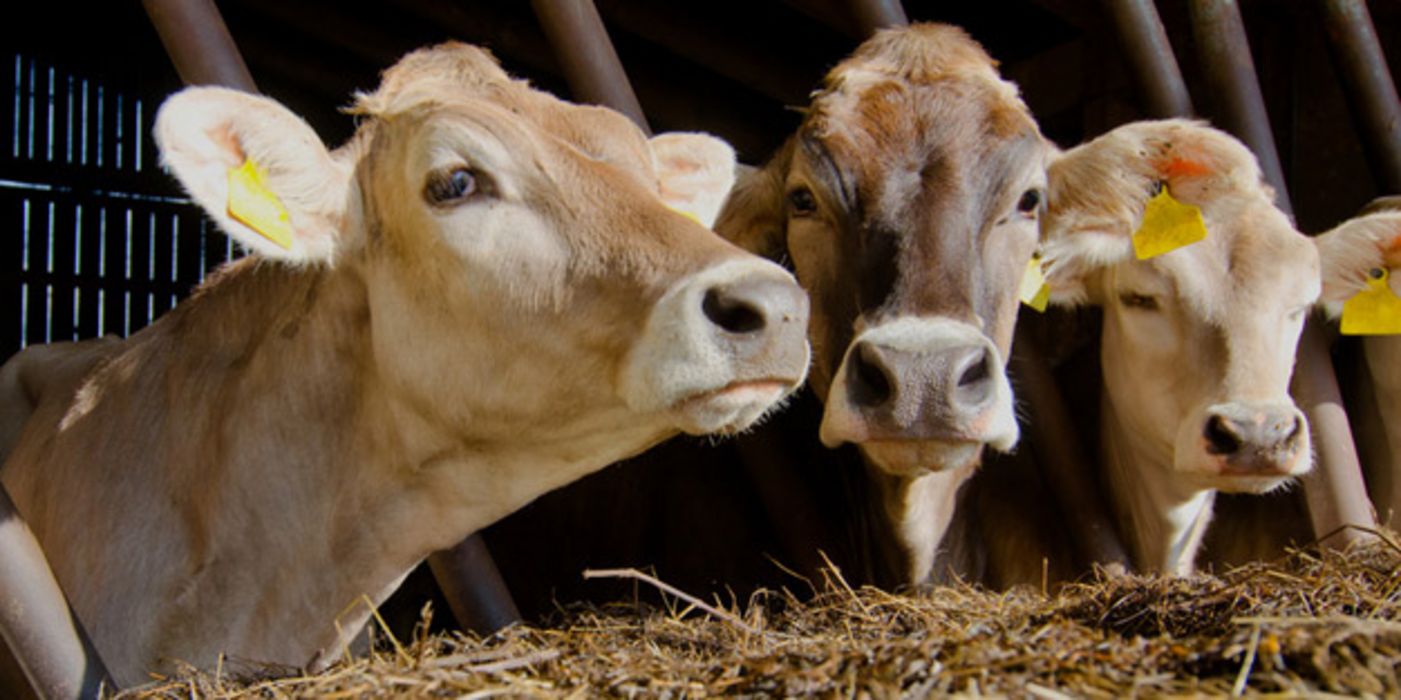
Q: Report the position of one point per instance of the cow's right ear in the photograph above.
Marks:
(1071, 259)
(754, 217)
(258, 170)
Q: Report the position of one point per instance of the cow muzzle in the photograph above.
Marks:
(921, 395)
(1250, 446)
(721, 347)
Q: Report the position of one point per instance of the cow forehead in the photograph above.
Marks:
(1250, 262)
(456, 77)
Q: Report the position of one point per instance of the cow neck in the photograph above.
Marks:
(1161, 520)
(919, 510)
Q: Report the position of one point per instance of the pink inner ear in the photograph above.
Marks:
(1182, 167)
(1391, 251)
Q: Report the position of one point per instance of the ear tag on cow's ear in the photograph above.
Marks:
(1375, 310)
(1034, 291)
(687, 214)
(1167, 225)
(254, 205)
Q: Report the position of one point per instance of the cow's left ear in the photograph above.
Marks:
(1349, 253)
(695, 173)
(258, 170)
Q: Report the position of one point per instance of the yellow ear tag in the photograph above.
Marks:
(1167, 225)
(254, 205)
(686, 214)
(1375, 310)
(1034, 291)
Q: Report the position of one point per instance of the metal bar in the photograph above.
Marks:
(1230, 74)
(473, 586)
(1145, 43)
(199, 44)
(36, 624)
(1336, 493)
(1369, 86)
(586, 54)
(873, 15)
(1063, 460)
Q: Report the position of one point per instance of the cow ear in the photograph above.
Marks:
(257, 169)
(755, 217)
(1070, 260)
(1351, 251)
(695, 173)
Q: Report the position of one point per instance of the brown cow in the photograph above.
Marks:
(1198, 343)
(484, 296)
(907, 206)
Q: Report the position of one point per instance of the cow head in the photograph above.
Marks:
(527, 264)
(1198, 343)
(907, 205)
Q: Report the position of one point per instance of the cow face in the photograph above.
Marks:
(525, 261)
(907, 205)
(1198, 343)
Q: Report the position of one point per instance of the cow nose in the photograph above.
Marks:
(758, 315)
(900, 386)
(1262, 430)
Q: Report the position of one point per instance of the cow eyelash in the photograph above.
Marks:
(1030, 201)
(455, 185)
(801, 202)
(1134, 300)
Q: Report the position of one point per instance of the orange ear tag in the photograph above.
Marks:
(1167, 225)
(255, 206)
(1375, 310)
(1034, 291)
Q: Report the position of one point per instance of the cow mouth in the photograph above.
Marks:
(733, 407)
(913, 457)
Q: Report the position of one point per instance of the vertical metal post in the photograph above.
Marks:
(873, 15)
(1145, 43)
(473, 586)
(1335, 491)
(1230, 74)
(198, 42)
(36, 623)
(586, 54)
(1369, 86)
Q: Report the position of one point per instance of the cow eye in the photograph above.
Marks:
(1031, 199)
(1134, 300)
(446, 187)
(801, 202)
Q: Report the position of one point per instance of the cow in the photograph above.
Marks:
(906, 204)
(1198, 342)
(1357, 254)
(485, 294)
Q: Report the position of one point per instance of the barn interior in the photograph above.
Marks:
(101, 241)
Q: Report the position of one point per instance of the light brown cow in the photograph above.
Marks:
(1198, 343)
(907, 206)
(1353, 254)
(486, 296)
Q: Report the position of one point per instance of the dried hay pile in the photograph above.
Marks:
(1312, 623)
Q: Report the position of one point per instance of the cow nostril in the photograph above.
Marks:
(976, 372)
(1220, 436)
(733, 314)
(1295, 429)
(867, 383)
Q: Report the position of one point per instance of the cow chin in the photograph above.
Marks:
(917, 457)
(730, 409)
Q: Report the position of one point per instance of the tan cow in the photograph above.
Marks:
(907, 205)
(1356, 254)
(1198, 343)
(485, 296)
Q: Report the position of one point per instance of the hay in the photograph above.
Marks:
(1314, 622)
